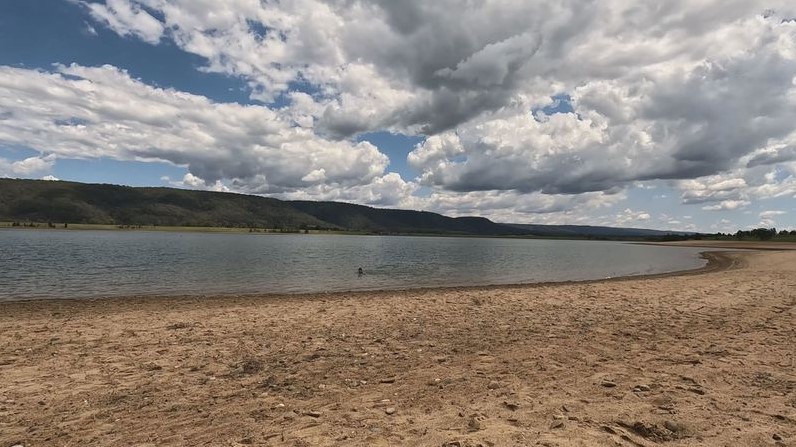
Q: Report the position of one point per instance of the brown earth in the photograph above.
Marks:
(687, 360)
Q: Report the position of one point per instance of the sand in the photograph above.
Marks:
(703, 359)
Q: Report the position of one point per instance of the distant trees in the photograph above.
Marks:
(763, 234)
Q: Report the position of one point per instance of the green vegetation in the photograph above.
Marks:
(42, 204)
(79, 206)
(758, 234)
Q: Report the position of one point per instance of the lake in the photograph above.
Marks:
(75, 264)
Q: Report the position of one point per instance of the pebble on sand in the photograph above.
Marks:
(390, 410)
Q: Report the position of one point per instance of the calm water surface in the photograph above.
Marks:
(74, 264)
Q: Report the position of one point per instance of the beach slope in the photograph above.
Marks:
(703, 359)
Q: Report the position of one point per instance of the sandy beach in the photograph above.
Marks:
(705, 359)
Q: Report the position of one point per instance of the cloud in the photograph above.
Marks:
(669, 121)
(83, 112)
(389, 190)
(771, 214)
(516, 207)
(772, 156)
(698, 94)
(629, 216)
(90, 30)
(126, 18)
(190, 181)
(737, 188)
(727, 205)
(29, 167)
(768, 218)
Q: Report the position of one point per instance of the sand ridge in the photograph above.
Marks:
(702, 359)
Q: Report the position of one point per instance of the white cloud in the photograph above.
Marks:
(699, 93)
(727, 205)
(29, 167)
(81, 112)
(90, 30)
(769, 218)
(126, 18)
(738, 188)
(771, 214)
(629, 216)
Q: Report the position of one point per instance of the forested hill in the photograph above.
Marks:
(69, 202)
(56, 201)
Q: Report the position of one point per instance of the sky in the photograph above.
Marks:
(677, 115)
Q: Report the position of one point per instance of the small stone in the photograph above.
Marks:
(674, 427)
(557, 424)
(152, 366)
(493, 385)
(513, 406)
(777, 437)
(641, 388)
(390, 410)
(387, 380)
(313, 414)
(608, 384)
(475, 424)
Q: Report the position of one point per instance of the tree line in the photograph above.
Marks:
(762, 234)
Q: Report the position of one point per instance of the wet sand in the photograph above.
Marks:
(678, 360)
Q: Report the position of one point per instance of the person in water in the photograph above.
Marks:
(360, 272)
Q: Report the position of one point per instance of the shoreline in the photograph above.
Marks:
(716, 261)
(687, 359)
(727, 245)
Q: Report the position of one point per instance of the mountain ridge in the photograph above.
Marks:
(73, 202)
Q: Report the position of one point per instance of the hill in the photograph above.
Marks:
(47, 201)
(57, 201)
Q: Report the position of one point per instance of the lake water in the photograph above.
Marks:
(74, 264)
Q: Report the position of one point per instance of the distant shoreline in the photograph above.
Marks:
(728, 245)
(277, 232)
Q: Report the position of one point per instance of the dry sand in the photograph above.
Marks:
(690, 360)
